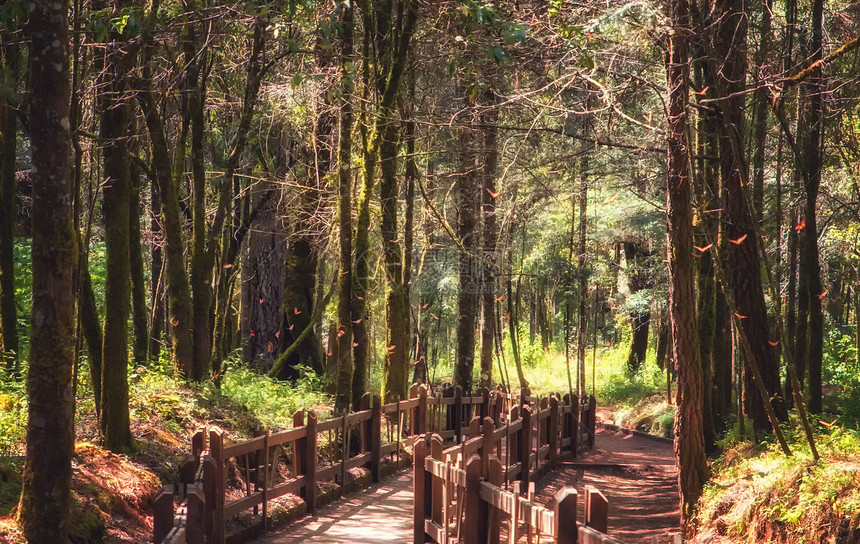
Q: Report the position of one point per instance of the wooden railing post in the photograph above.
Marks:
(476, 530)
(198, 443)
(574, 412)
(498, 406)
(524, 395)
(596, 510)
(419, 423)
(487, 445)
(495, 477)
(310, 458)
(419, 502)
(366, 403)
(162, 514)
(485, 403)
(525, 443)
(553, 430)
(266, 483)
(195, 527)
(216, 447)
(210, 491)
(565, 516)
(513, 438)
(299, 448)
(436, 452)
(458, 414)
(375, 437)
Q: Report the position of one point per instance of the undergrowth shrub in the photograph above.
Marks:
(272, 401)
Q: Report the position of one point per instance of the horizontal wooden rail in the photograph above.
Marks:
(528, 431)
(476, 478)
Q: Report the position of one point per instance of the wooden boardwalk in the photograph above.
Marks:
(637, 474)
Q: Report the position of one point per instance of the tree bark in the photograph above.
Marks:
(490, 236)
(344, 216)
(178, 285)
(582, 277)
(395, 374)
(201, 269)
(46, 494)
(812, 119)
(140, 314)
(469, 271)
(689, 439)
(9, 345)
(115, 117)
(743, 257)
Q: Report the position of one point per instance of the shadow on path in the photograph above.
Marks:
(382, 513)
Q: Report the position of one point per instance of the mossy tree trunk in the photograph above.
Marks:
(706, 229)
(344, 327)
(178, 286)
(44, 510)
(139, 312)
(8, 132)
(201, 265)
(115, 118)
(811, 113)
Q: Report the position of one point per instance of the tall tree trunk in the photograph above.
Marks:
(140, 315)
(344, 217)
(88, 316)
(156, 276)
(761, 107)
(488, 198)
(115, 117)
(689, 439)
(46, 494)
(363, 257)
(225, 241)
(640, 319)
(743, 257)
(178, 285)
(395, 374)
(708, 191)
(414, 342)
(812, 119)
(582, 321)
(469, 268)
(201, 274)
(8, 133)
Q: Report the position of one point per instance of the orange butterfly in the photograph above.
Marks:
(739, 241)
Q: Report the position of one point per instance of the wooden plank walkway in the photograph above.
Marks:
(636, 474)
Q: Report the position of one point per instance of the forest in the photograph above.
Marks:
(629, 198)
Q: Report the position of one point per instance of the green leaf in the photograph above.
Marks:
(498, 54)
(586, 62)
(296, 81)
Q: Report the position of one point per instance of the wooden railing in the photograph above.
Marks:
(297, 460)
(488, 478)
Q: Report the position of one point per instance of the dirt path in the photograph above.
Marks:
(638, 477)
